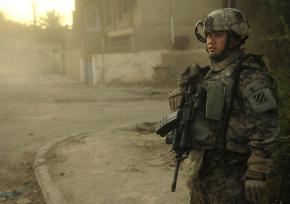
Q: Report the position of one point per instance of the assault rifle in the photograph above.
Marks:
(177, 129)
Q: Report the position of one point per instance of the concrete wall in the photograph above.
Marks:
(72, 64)
(138, 67)
(128, 67)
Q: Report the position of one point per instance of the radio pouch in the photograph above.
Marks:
(215, 100)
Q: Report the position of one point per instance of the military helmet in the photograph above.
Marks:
(227, 19)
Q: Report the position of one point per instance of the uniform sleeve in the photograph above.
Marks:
(260, 103)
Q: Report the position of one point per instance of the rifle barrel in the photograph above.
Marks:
(173, 186)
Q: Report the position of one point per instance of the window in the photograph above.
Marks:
(109, 12)
(92, 20)
(125, 12)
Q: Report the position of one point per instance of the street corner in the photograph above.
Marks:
(123, 161)
(42, 168)
(49, 191)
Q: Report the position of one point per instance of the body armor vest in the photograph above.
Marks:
(210, 127)
(213, 101)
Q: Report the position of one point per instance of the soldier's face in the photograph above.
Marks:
(216, 42)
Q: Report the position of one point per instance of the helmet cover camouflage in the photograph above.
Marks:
(227, 19)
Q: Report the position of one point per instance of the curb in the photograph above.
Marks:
(49, 191)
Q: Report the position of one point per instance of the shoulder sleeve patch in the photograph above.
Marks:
(260, 97)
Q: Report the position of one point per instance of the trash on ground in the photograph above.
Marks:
(11, 195)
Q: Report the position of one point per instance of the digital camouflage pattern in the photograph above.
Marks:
(221, 174)
(227, 19)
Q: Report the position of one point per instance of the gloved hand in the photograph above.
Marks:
(256, 191)
(175, 98)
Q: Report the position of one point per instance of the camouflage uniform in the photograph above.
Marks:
(221, 174)
(218, 169)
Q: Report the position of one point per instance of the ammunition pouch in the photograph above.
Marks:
(201, 130)
(236, 143)
(215, 100)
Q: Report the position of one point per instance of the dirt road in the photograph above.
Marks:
(35, 110)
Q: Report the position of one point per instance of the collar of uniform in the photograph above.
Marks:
(218, 66)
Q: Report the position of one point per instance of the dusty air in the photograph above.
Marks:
(144, 102)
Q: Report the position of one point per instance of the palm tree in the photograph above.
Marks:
(54, 32)
(52, 19)
(52, 28)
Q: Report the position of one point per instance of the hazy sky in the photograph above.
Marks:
(21, 10)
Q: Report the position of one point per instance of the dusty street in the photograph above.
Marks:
(35, 110)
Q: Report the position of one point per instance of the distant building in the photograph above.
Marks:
(127, 40)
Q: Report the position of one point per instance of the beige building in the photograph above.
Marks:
(135, 40)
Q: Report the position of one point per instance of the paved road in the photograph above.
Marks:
(35, 110)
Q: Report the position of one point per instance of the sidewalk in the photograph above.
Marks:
(113, 165)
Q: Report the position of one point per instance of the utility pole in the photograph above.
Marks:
(232, 3)
(229, 3)
(34, 19)
(172, 34)
(172, 39)
(34, 40)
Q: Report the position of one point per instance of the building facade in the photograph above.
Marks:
(109, 31)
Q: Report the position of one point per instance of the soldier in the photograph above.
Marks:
(235, 123)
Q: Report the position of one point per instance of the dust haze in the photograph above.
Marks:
(59, 82)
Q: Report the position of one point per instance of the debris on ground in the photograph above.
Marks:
(11, 195)
(146, 127)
